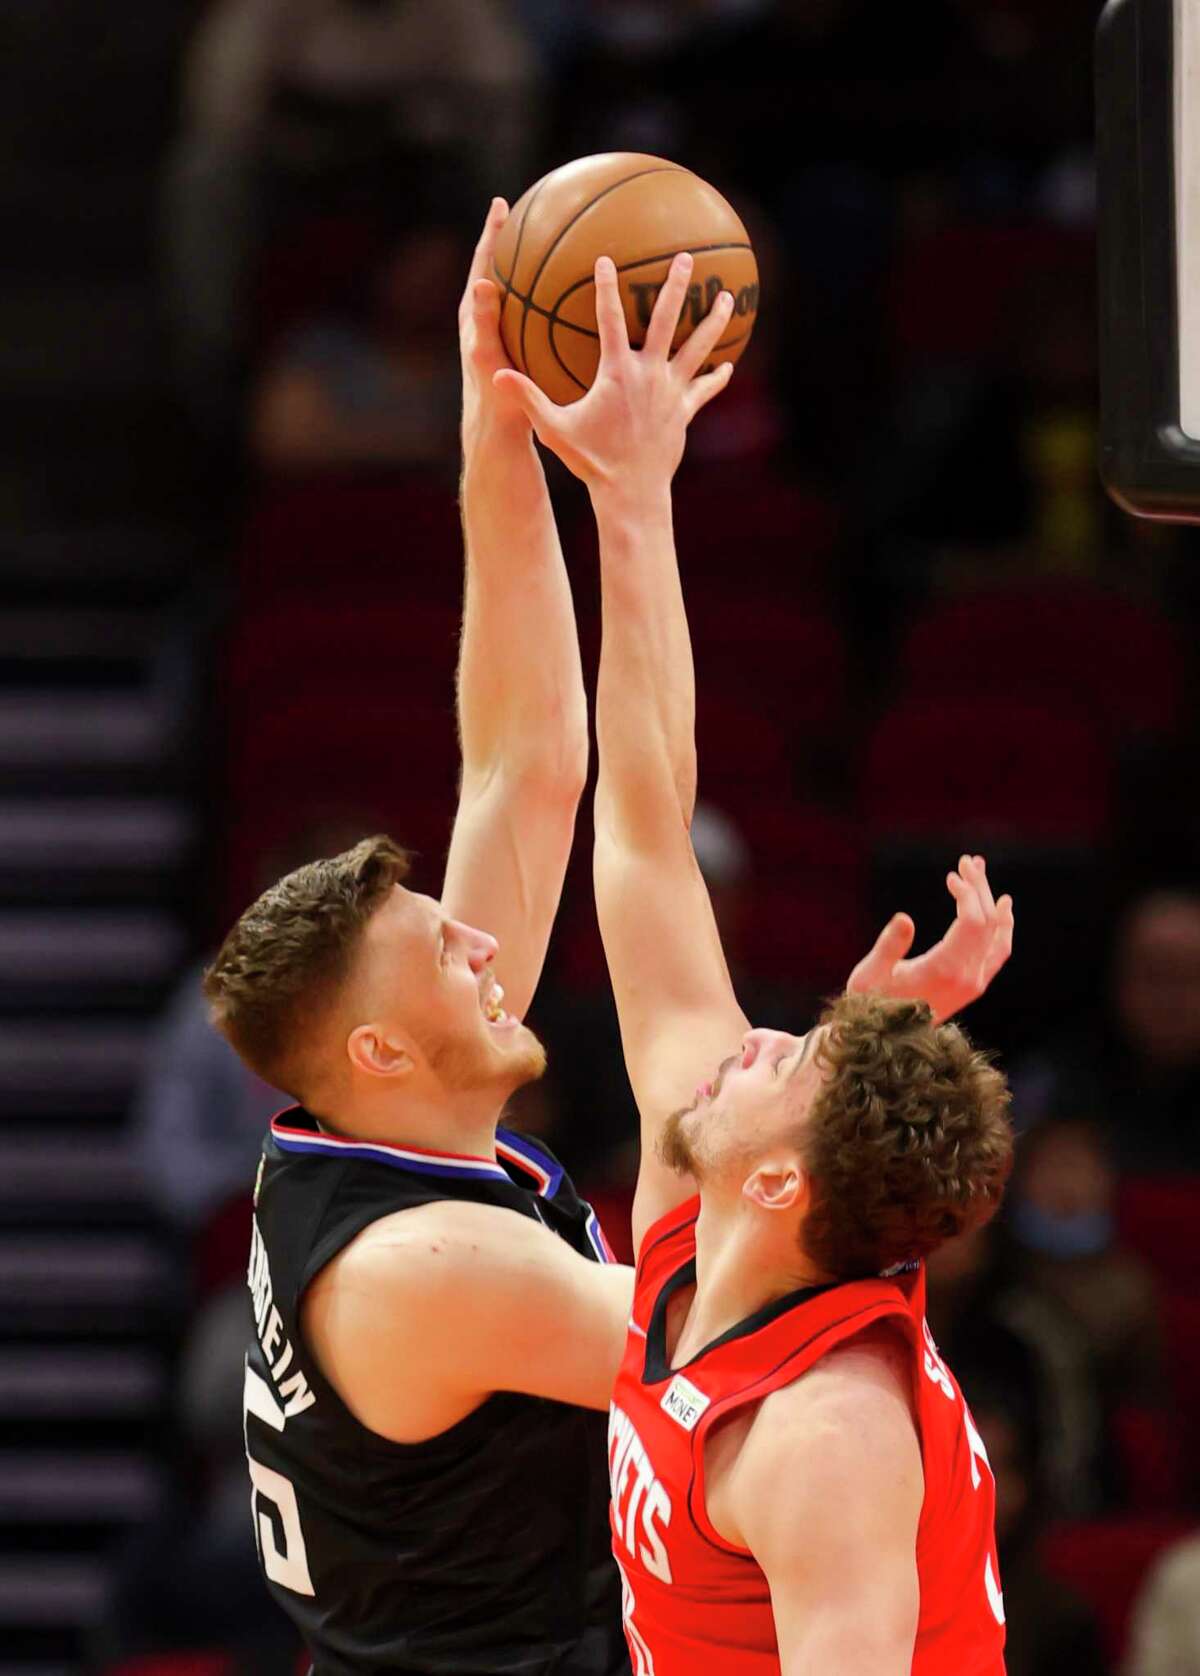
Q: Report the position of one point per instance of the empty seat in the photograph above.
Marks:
(789, 840)
(1105, 1560)
(983, 770)
(393, 530)
(1091, 646)
(788, 653)
(806, 936)
(739, 746)
(1158, 1216)
(952, 289)
(750, 523)
(293, 644)
(1181, 1323)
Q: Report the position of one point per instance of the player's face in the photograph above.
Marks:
(429, 981)
(756, 1100)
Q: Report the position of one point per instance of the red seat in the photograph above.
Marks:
(764, 646)
(293, 644)
(796, 841)
(747, 524)
(1158, 1216)
(1181, 1322)
(1105, 1561)
(952, 289)
(739, 746)
(398, 531)
(987, 770)
(319, 760)
(806, 935)
(1089, 646)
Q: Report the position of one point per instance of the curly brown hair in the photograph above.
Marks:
(286, 957)
(908, 1141)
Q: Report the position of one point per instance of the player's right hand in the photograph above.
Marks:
(627, 434)
(479, 339)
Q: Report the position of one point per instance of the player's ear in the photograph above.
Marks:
(373, 1051)
(777, 1184)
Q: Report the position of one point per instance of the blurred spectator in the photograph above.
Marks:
(199, 1116)
(1063, 1248)
(1137, 1069)
(1027, 1347)
(376, 383)
(293, 105)
(1051, 1631)
(1050, 1308)
(1165, 1638)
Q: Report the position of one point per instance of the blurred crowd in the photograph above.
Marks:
(905, 462)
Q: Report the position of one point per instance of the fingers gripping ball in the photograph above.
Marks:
(641, 211)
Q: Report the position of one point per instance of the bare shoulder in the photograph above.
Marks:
(429, 1311)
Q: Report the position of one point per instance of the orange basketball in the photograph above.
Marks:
(641, 211)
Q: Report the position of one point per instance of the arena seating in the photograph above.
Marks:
(1067, 642)
(387, 531)
(953, 287)
(1105, 1560)
(987, 769)
(1158, 1216)
(295, 645)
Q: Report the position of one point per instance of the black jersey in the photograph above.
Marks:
(483, 1551)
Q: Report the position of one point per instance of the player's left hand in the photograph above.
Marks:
(480, 342)
(955, 971)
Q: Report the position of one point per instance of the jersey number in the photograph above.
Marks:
(287, 1567)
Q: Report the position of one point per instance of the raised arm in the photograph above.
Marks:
(678, 1012)
(522, 711)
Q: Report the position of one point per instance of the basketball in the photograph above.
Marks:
(641, 211)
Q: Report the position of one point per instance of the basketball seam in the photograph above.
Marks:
(509, 288)
(662, 169)
(570, 325)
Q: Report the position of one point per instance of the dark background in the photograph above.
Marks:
(233, 238)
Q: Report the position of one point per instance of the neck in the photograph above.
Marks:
(441, 1122)
(743, 1263)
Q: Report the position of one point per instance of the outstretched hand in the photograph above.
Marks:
(955, 971)
(629, 430)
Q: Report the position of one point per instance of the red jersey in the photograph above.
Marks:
(692, 1602)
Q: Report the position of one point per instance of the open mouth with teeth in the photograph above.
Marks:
(490, 1001)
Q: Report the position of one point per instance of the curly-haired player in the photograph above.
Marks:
(797, 1484)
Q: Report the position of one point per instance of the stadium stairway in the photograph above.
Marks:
(95, 837)
(97, 566)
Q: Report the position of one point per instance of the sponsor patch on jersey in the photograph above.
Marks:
(684, 1403)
